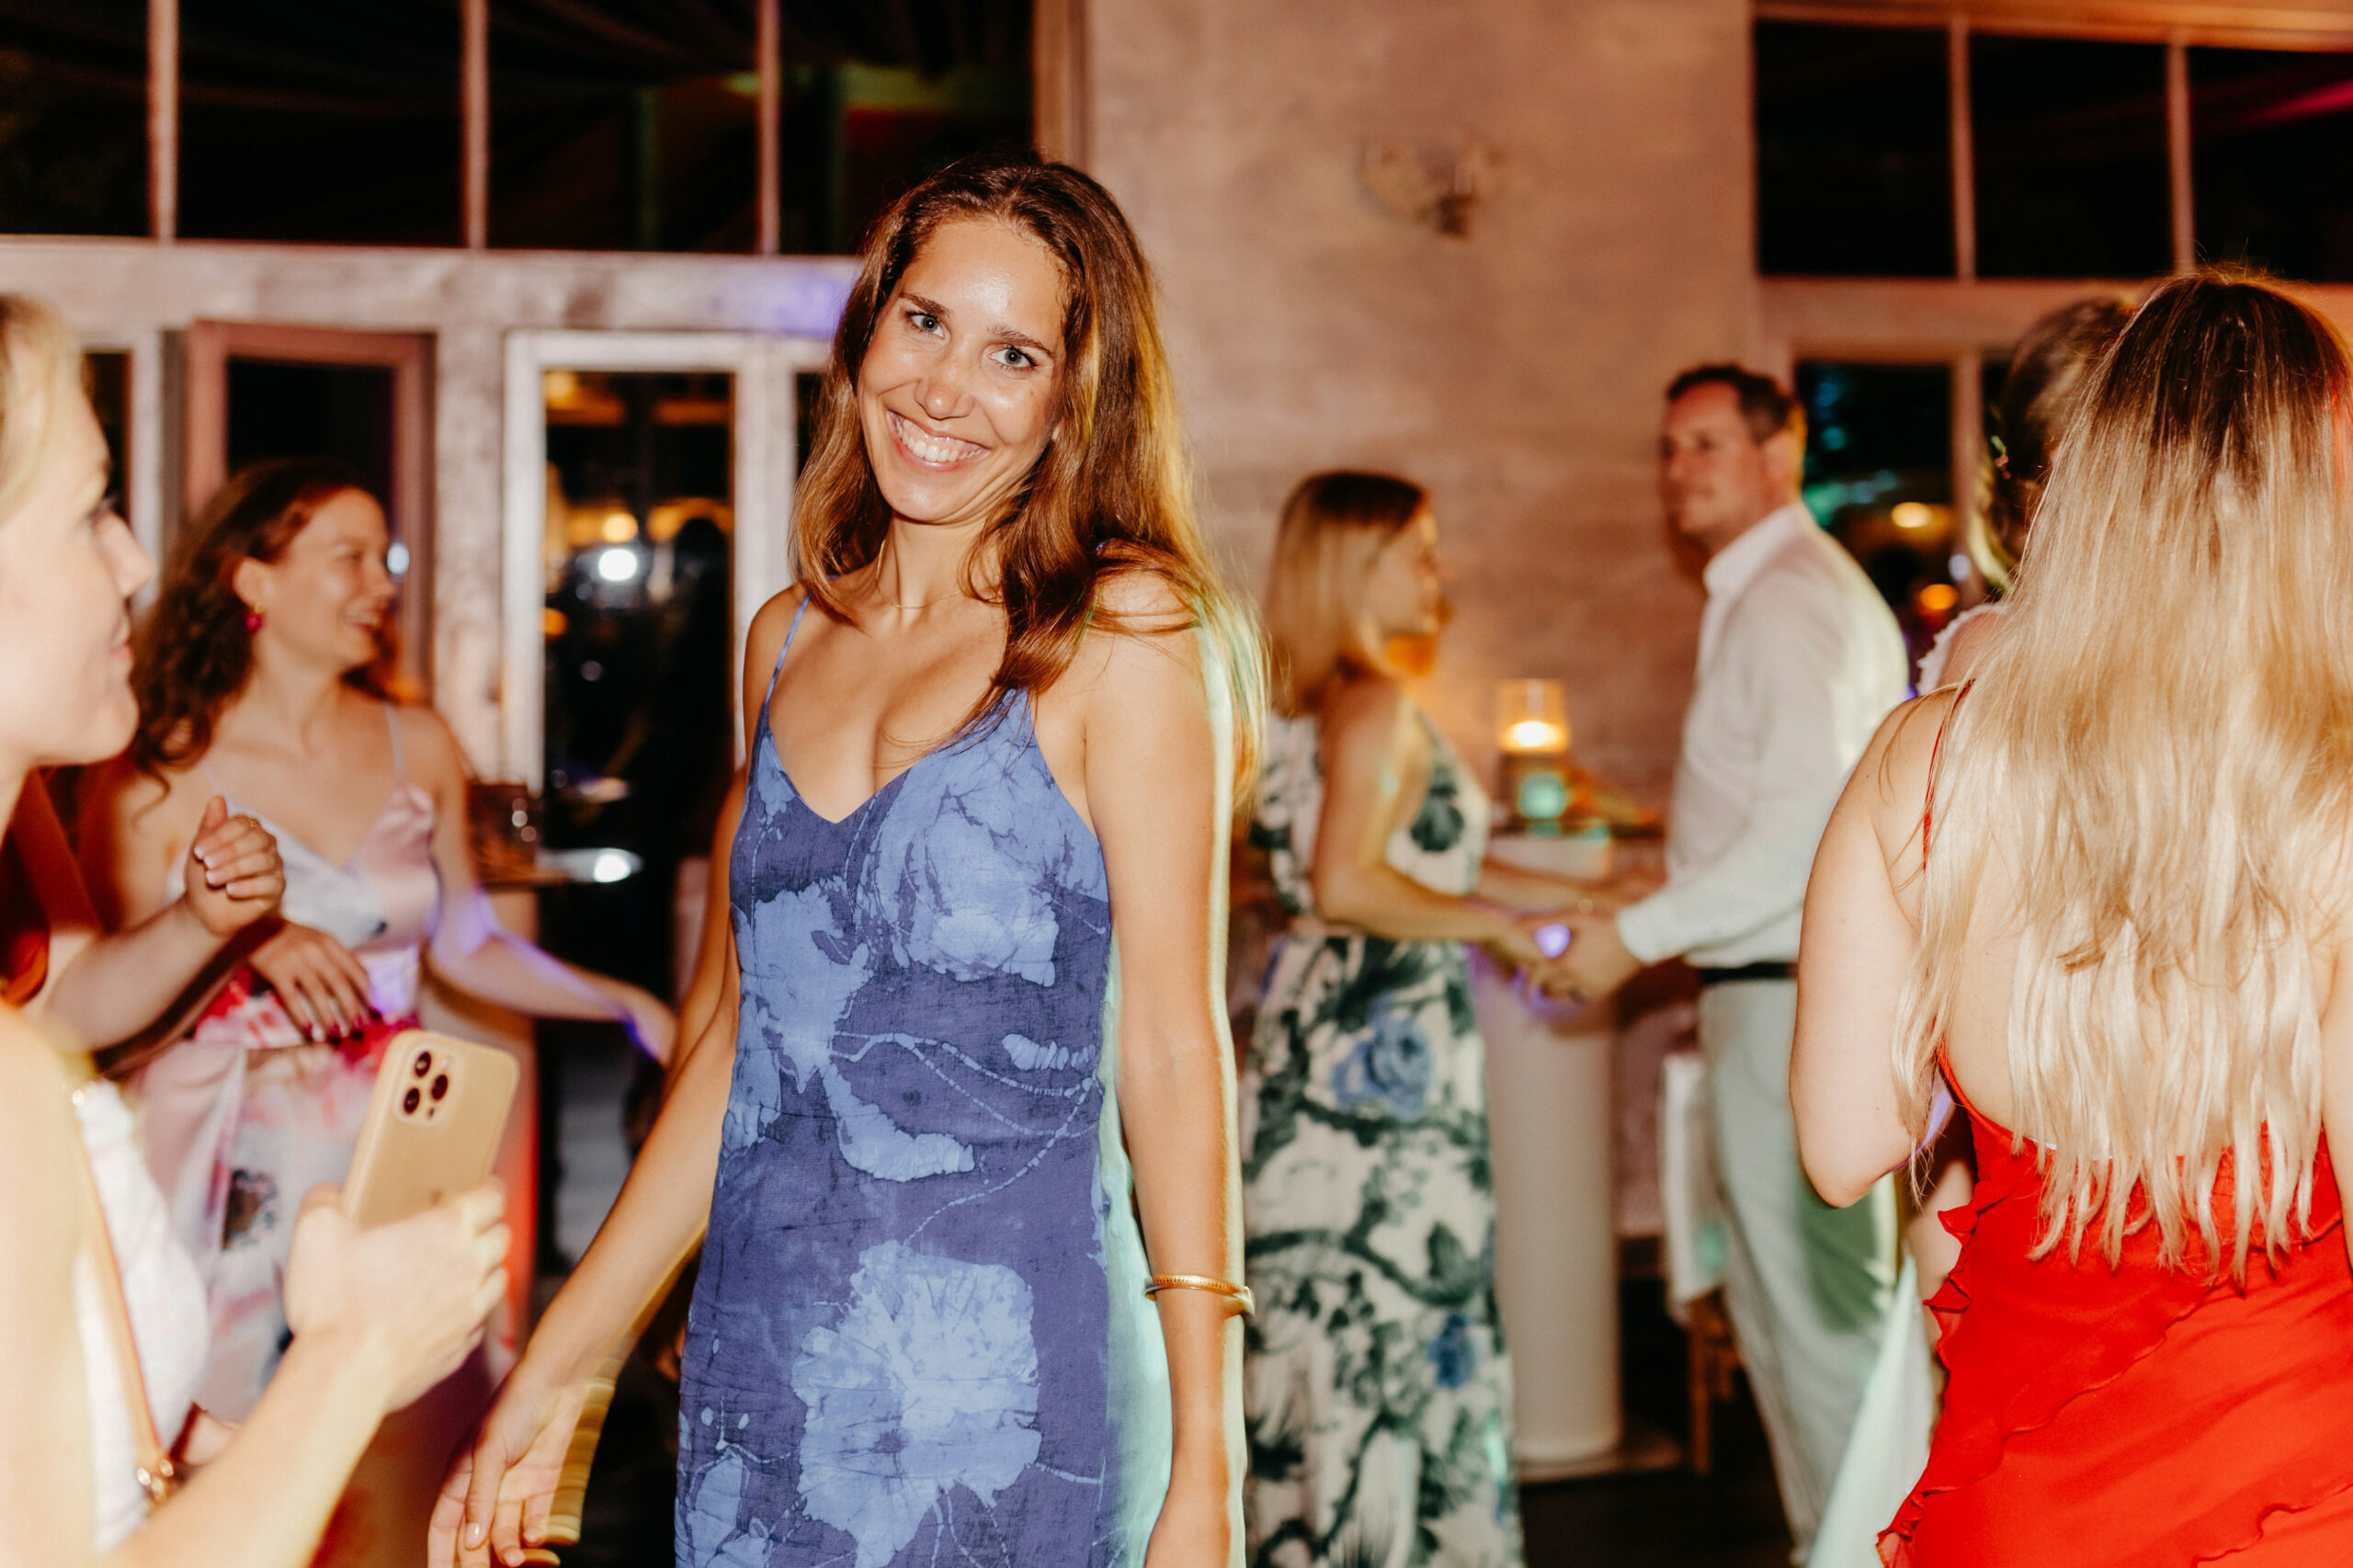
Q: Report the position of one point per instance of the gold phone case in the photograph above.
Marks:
(433, 1125)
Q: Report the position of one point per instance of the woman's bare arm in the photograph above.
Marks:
(1517, 887)
(265, 1500)
(1372, 749)
(496, 1497)
(712, 990)
(1152, 780)
(1854, 953)
(475, 955)
(105, 985)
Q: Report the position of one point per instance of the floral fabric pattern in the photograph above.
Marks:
(918, 1335)
(1377, 1391)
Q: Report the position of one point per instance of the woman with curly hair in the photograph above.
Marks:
(261, 675)
(102, 1315)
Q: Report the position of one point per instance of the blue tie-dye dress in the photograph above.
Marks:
(920, 1334)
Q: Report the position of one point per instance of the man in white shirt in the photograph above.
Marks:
(1799, 662)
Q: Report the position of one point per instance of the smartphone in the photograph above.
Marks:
(433, 1127)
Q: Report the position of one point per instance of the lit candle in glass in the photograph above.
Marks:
(1532, 728)
(1532, 717)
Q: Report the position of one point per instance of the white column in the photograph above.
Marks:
(1548, 1118)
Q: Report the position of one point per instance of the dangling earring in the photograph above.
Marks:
(252, 620)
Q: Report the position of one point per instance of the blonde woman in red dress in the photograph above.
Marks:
(2103, 892)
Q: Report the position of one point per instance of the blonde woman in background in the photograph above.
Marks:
(1376, 1388)
(1889, 1442)
(377, 1317)
(2030, 417)
(2102, 895)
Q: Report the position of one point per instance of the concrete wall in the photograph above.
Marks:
(1516, 372)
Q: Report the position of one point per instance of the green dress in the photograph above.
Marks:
(1376, 1388)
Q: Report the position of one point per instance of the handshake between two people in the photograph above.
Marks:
(1575, 952)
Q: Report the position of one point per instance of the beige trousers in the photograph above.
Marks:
(1809, 1287)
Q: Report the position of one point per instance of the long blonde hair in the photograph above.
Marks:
(2159, 750)
(1331, 527)
(41, 381)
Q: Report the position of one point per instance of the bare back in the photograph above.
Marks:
(1862, 925)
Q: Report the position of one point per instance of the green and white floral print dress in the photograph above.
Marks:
(1376, 1388)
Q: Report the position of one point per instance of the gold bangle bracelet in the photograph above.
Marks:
(1238, 1294)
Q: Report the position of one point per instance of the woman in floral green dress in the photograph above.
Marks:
(1377, 1388)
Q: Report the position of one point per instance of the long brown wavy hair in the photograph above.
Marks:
(1113, 491)
(193, 655)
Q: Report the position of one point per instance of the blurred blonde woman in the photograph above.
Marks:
(1377, 1390)
(2029, 414)
(2101, 892)
(102, 1316)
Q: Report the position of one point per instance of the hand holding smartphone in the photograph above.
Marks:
(432, 1128)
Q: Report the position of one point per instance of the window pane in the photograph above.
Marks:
(2272, 150)
(74, 117)
(106, 375)
(2069, 143)
(617, 125)
(876, 98)
(305, 122)
(284, 409)
(1879, 476)
(1854, 151)
(639, 737)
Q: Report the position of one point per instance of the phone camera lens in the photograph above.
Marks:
(440, 1086)
(424, 1064)
(409, 1101)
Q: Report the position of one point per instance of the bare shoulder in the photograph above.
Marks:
(1890, 781)
(118, 789)
(1139, 637)
(126, 804)
(37, 1146)
(1364, 702)
(764, 640)
(432, 747)
(1970, 639)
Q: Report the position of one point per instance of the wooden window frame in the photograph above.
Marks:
(1961, 320)
(764, 470)
(1059, 92)
(210, 345)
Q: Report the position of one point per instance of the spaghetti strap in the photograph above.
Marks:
(1935, 754)
(798, 610)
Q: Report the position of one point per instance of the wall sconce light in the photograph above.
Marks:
(1532, 730)
(1439, 187)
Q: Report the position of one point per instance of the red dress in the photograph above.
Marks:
(2138, 1414)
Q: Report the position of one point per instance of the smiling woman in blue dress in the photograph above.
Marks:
(921, 1331)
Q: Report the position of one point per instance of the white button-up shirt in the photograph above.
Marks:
(1799, 661)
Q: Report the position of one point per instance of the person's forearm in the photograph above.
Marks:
(1388, 904)
(265, 1501)
(1760, 880)
(1176, 1097)
(119, 985)
(513, 973)
(661, 1213)
(1517, 887)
